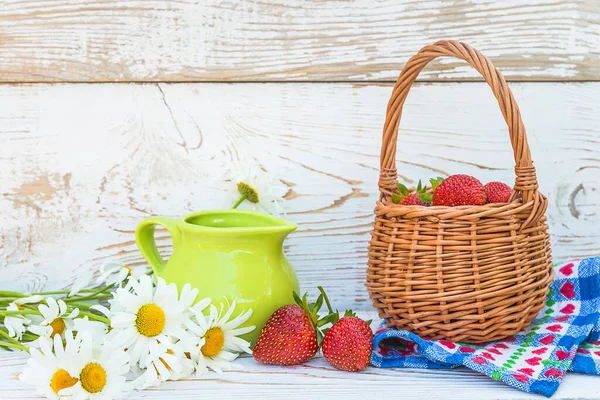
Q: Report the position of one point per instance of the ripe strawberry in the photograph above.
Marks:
(419, 198)
(290, 336)
(497, 192)
(348, 344)
(413, 200)
(287, 338)
(459, 190)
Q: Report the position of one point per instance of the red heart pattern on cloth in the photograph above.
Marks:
(479, 360)
(533, 361)
(500, 346)
(467, 350)
(583, 351)
(539, 351)
(561, 354)
(568, 309)
(553, 372)
(448, 344)
(562, 318)
(554, 328)
(494, 351)
(488, 356)
(568, 290)
(597, 353)
(547, 339)
(520, 378)
(567, 269)
(527, 371)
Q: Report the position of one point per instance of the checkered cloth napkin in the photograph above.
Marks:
(565, 336)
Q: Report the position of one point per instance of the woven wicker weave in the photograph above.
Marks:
(468, 273)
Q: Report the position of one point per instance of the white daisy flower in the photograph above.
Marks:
(261, 189)
(142, 314)
(100, 371)
(55, 319)
(30, 299)
(218, 341)
(45, 368)
(96, 328)
(17, 324)
(165, 362)
(115, 272)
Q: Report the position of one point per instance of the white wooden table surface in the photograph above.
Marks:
(111, 111)
(317, 379)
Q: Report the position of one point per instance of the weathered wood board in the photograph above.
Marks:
(276, 40)
(80, 165)
(317, 379)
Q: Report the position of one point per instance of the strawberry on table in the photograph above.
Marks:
(497, 192)
(348, 344)
(459, 190)
(290, 336)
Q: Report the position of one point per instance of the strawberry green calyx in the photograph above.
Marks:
(407, 198)
(435, 182)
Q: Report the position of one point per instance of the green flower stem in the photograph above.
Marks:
(92, 296)
(240, 201)
(95, 317)
(61, 292)
(4, 333)
(20, 312)
(4, 293)
(29, 337)
(15, 346)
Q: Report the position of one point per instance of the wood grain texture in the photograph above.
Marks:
(80, 165)
(275, 40)
(316, 379)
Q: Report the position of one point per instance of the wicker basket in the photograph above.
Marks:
(468, 273)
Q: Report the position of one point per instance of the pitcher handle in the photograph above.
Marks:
(144, 238)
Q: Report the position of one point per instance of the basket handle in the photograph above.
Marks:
(526, 180)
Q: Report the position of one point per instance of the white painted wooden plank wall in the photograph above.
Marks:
(274, 40)
(80, 165)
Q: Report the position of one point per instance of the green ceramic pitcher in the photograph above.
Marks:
(231, 254)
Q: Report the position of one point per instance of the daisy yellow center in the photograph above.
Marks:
(248, 191)
(128, 268)
(93, 378)
(61, 380)
(150, 320)
(214, 340)
(58, 327)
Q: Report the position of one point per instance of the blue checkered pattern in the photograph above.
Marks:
(565, 336)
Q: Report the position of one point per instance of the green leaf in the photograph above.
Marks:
(434, 183)
(329, 318)
(297, 298)
(305, 302)
(396, 198)
(419, 186)
(318, 304)
(402, 189)
(426, 197)
(319, 337)
(369, 321)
